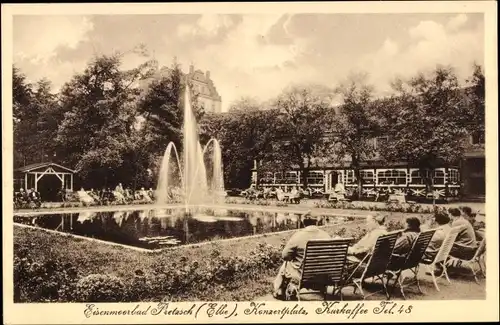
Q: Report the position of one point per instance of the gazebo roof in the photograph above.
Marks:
(41, 166)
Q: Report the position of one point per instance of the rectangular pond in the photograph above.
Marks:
(163, 228)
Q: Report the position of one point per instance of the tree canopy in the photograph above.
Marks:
(112, 124)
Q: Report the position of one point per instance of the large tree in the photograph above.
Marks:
(356, 124)
(24, 116)
(304, 117)
(244, 135)
(161, 110)
(100, 118)
(35, 110)
(474, 116)
(424, 123)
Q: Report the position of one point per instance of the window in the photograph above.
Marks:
(267, 179)
(315, 177)
(291, 178)
(349, 177)
(367, 176)
(453, 176)
(416, 178)
(439, 177)
(394, 177)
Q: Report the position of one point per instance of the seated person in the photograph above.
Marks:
(465, 245)
(84, 197)
(479, 229)
(280, 195)
(293, 254)
(442, 220)
(294, 195)
(119, 198)
(405, 242)
(35, 195)
(357, 252)
(25, 194)
(266, 192)
(61, 194)
(93, 195)
(21, 195)
(145, 195)
(119, 188)
(376, 228)
(339, 188)
(477, 226)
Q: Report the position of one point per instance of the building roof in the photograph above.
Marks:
(198, 76)
(42, 165)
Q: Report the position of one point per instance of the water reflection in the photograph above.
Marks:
(167, 227)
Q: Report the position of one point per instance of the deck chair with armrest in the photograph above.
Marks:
(441, 256)
(410, 261)
(374, 264)
(323, 266)
(476, 259)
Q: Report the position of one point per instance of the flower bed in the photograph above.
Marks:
(88, 271)
(356, 205)
(389, 207)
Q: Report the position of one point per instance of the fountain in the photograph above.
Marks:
(197, 188)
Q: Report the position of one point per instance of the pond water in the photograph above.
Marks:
(153, 229)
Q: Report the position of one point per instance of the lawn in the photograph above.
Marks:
(51, 267)
(258, 257)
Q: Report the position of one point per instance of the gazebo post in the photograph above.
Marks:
(36, 182)
(62, 180)
(71, 182)
(25, 181)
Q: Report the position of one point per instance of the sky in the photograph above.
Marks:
(255, 55)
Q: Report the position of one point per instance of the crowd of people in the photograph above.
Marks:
(30, 197)
(119, 195)
(105, 196)
(283, 195)
(464, 247)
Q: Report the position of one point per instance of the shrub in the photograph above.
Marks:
(184, 277)
(48, 280)
(100, 288)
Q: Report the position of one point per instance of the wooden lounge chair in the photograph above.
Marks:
(376, 265)
(323, 266)
(476, 259)
(411, 262)
(441, 257)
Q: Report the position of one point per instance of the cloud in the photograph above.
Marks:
(254, 55)
(430, 44)
(206, 25)
(245, 62)
(457, 22)
(37, 41)
(37, 38)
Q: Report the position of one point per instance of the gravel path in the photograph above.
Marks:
(462, 287)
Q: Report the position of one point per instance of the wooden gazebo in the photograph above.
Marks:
(28, 176)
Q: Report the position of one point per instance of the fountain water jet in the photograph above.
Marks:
(164, 181)
(197, 188)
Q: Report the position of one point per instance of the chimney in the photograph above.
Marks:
(208, 74)
(191, 69)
